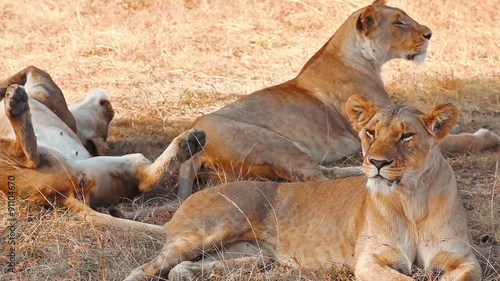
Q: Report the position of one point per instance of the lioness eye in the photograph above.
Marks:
(400, 24)
(407, 136)
(370, 133)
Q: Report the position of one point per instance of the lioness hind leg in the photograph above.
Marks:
(234, 257)
(180, 149)
(175, 258)
(482, 139)
(341, 172)
(187, 174)
(40, 86)
(183, 247)
(18, 112)
(188, 235)
(244, 150)
(187, 270)
(85, 213)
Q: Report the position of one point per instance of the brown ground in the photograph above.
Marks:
(164, 63)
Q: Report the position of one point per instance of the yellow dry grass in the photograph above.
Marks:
(164, 63)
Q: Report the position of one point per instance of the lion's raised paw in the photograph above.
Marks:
(193, 140)
(16, 100)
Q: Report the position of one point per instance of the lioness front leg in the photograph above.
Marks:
(180, 149)
(455, 267)
(382, 263)
(18, 112)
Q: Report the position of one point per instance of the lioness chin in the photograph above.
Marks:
(292, 131)
(405, 211)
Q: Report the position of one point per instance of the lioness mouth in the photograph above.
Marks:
(388, 181)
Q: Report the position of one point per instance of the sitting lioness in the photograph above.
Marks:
(405, 211)
(42, 159)
(292, 130)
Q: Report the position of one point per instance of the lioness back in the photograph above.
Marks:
(263, 113)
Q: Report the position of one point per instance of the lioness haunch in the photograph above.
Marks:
(405, 211)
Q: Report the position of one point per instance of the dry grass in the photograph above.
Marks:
(166, 62)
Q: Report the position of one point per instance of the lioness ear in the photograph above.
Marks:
(360, 110)
(379, 2)
(109, 113)
(368, 20)
(441, 119)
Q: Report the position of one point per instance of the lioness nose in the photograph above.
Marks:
(380, 163)
(427, 35)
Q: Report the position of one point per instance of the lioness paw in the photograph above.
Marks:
(184, 271)
(16, 100)
(194, 140)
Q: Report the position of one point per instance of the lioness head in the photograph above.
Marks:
(92, 116)
(397, 141)
(390, 33)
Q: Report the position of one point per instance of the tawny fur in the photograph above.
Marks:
(406, 211)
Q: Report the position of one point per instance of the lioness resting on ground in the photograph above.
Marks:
(406, 211)
(290, 131)
(41, 157)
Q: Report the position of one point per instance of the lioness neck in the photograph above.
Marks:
(340, 69)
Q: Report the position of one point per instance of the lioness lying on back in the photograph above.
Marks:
(406, 211)
(292, 130)
(49, 163)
